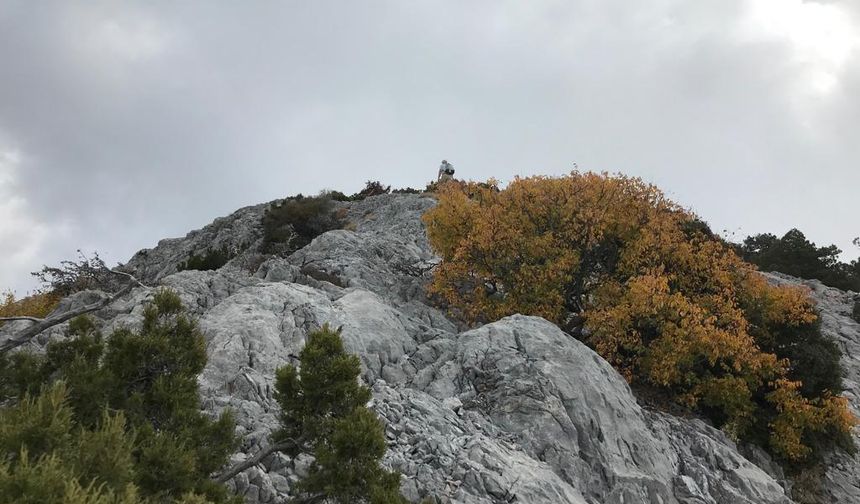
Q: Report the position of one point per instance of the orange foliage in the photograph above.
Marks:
(661, 298)
(799, 416)
(37, 305)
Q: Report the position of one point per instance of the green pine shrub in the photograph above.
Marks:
(371, 188)
(290, 224)
(338, 196)
(154, 440)
(49, 458)
(212, 259)
(324, 413)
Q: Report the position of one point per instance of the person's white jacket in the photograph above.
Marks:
(446, 171)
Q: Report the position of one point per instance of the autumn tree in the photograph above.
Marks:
(38, 304)
(645, 283)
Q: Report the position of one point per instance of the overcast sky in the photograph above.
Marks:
(123, 123)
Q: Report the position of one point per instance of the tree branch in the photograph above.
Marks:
(251, 462)
(40, 325)
(130, 277)
(12, 319)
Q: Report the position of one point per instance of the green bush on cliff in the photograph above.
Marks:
(211, 259)
(121, 414)
(291, 224)
(371, 188)
(324, 413)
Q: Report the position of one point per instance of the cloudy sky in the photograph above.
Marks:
(123, 123)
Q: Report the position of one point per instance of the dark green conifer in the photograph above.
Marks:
(324, 413)
(156, 441)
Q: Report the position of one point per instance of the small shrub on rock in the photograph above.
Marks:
(338, 196)
(324, 413)
(371, 188)
(212, 259)
(74, 276)
(291, 224)
(406, 190)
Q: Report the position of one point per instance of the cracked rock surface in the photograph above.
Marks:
(515, 411)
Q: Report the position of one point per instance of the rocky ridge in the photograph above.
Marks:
(514, 411)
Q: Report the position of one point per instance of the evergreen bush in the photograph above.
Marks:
(371, 188)
(125, 408)
(291, 224)
(212, 259)
(794, 255)
(324, 413)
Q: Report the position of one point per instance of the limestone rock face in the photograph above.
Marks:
(842, 478)
(514, 411)
(238, 232)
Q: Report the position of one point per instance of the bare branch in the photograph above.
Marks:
(251, 462)
(40, 325)
(12, 319)
(130, 277)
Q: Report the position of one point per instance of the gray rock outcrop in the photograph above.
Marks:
(514, 411)
(841, 482)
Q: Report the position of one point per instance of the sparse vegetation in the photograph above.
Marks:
(338, 196)
(371, 188)
(212, 259)
(58, 282)
(292, 223)
(646, 284)
(75, 276)
(116, 419)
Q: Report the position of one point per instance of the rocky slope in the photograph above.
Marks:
(514, 411)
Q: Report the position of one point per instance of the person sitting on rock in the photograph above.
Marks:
(446, 172)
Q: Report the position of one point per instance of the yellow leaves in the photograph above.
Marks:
(784, 304)
(799, 415)
(663, 299)
(681, 339)
(37, 305)
(528, 241)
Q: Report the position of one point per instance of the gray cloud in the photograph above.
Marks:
(137, 123)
